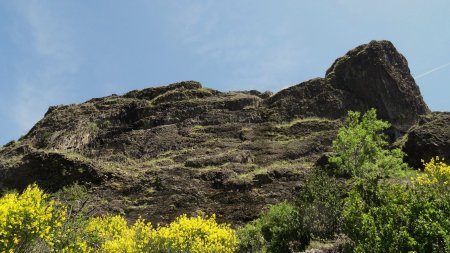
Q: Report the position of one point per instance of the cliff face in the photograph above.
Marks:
(163, 151)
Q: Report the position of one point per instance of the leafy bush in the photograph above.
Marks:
(279, 227)
(251, 238)
(377, 221)
(361, 148)
(319, 205)
(393, 217)
(276, 230)
(398, 218)
(360, 154)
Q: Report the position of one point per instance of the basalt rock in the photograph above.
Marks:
(377, 75)
(163, 151)
(429, 138)
(374, 75)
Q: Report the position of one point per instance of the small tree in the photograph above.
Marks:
(360, 149)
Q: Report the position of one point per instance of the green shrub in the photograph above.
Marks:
(320, 204)
(397, 218)
(276, 230)
(279, 227)
(251, 238)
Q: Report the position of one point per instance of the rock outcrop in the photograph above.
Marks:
(377, 76)
(429, 138)
(163, 151)
(374, 75)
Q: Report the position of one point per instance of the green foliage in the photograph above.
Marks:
(320, 204)
(279, 227)
(251, 238)
(384, 215)
(373, 214)
(276, 230)
(397, 218)
(361, 148)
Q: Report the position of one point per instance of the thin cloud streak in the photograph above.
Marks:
(431, 71)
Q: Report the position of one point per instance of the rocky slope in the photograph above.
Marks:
(180, 148)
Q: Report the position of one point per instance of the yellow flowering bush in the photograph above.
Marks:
(28, 219)
(200, 234)
(77, 245)
(436, 172)
(195, 235)
(111, 234)
(30, 222)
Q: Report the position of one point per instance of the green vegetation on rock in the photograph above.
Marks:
(359, 201)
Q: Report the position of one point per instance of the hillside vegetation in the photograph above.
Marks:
(363, 200)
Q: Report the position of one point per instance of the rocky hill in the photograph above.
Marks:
(163, 151)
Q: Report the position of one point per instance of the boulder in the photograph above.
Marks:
(429, 138)
(377, 75)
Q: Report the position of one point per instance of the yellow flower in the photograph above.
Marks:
(26, 217)
(436, 172)
(196, 234)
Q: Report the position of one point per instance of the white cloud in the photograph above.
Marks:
(50, 49)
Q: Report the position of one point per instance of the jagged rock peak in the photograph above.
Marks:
(378, 74)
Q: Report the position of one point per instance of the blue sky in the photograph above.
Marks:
(63, 52)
